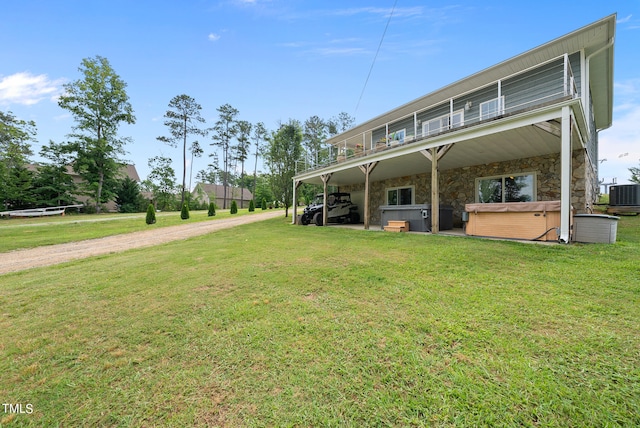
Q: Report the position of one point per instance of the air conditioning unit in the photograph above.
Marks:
(624, 195)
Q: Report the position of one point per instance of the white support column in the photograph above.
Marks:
(450, 113)
(296, 184)
(325, 210)
(565, 176)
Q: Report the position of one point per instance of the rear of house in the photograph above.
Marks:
(522, 131)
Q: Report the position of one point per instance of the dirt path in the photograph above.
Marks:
(18, 260)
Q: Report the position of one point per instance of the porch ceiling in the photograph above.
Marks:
(518, 143)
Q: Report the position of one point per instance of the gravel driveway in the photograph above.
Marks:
(18, 260)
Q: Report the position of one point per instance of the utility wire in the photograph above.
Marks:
(376, 56)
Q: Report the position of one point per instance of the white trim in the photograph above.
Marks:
(508, 175)
(413, 193)
(498, 112)
(443, 127)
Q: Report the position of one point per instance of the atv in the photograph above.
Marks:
(340, 210)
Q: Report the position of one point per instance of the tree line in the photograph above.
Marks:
(99, 105)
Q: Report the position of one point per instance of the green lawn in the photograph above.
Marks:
(34, 232)
(270, 324)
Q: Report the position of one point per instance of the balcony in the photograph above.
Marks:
(545, 84)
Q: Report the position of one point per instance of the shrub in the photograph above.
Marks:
(234, 207)
(212, 209)
(184, 214)
(151, 214)
(264, 204)
(252, 206)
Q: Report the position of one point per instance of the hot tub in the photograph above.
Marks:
(515, 220)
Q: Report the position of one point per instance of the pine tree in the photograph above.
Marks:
(212, 209)
(234, 207)
(264, 204)
(252, 206)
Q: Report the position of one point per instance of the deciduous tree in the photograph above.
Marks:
(161, 182)
(283, 150)
(99, 104)
(15, 178)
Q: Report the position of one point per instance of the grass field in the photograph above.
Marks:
(270, 324)
(34, 232)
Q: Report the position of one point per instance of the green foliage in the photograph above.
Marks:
(184, 213)
(151, 214)
(99, 104)
(234, 207)
(283, 150)
(182, 119)
(635, 175)
(15, 178)
(161, 182)
(263, 189)
(53, 185)
(128, 198)
(252, 206)
(224, 130)
(264, 204)
(212, 209)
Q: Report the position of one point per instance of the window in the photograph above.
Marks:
(400, 196)
(397, 136)
(493, 108)
(507, 188)
(442, 123)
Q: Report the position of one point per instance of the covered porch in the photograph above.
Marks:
(554, 131)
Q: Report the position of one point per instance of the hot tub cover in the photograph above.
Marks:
(513, 207)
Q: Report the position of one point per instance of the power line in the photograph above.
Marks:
(376, 56)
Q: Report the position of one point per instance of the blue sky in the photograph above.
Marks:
(280, 59)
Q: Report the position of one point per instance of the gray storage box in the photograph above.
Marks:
(595, 228)
(418, 216)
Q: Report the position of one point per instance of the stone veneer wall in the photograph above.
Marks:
(457, 185)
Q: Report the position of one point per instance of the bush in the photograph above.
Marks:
(234, 207)
(264, 204)
(252, 206)
(151, 214)
(212, 209)
(184, 214)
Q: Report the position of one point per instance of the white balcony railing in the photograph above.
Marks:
(546, 83)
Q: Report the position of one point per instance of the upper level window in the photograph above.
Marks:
(397, 136)
(442, 123)
(493, 108)
(400, 196)
(506, 188)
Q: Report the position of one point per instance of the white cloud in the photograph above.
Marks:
(620, 144)
(28, 89)
(625, 19)
(214, 37)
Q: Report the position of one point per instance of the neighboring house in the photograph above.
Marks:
(126, 170)
(206, 193)
(525, 129)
